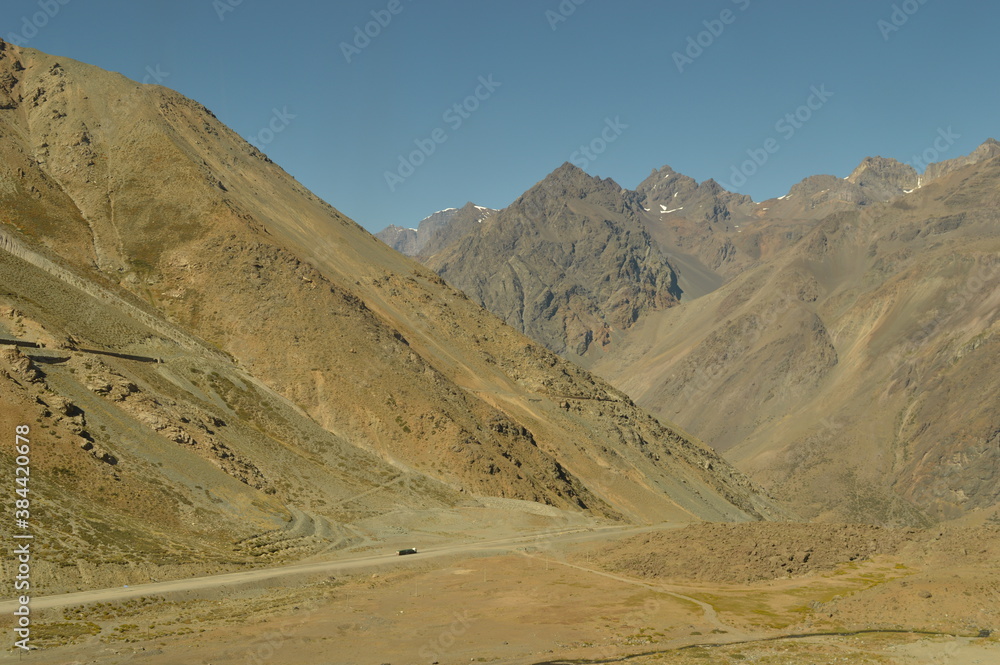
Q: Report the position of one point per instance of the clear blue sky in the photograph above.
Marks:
(558, 87)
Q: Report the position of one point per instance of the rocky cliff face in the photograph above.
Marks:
(884, 179)
(569, 263)
(707, 202)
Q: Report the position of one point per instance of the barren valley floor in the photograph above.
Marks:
(577, 594)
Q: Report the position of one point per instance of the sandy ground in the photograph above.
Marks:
(559, 600)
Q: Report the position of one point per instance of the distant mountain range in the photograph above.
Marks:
(838, 342)
(435, 232)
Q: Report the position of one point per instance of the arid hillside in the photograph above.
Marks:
(856, 371)
(206, 339)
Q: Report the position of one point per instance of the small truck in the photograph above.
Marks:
(408, 550)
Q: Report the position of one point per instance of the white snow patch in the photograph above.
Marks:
(666, 212)
(909, 191)
(437, 213)
(675, 194)
(786, 196)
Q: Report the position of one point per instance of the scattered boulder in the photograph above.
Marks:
(21, 365)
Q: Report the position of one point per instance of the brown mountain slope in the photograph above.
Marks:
(856, 371)
(152, 230)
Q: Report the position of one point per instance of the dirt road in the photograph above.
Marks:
(563, 536)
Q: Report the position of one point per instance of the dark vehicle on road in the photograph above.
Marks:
(408, 550)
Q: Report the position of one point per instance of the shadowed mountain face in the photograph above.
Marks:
(569, 263)
(308, 375)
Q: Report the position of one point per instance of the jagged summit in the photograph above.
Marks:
(989, 149)
(571, 181)
(569, 262)
(884, 177)
(666, 182)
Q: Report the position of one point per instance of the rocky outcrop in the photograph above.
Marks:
(884, 179)
(18, 366)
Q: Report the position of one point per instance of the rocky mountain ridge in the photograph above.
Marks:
(569, 263)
